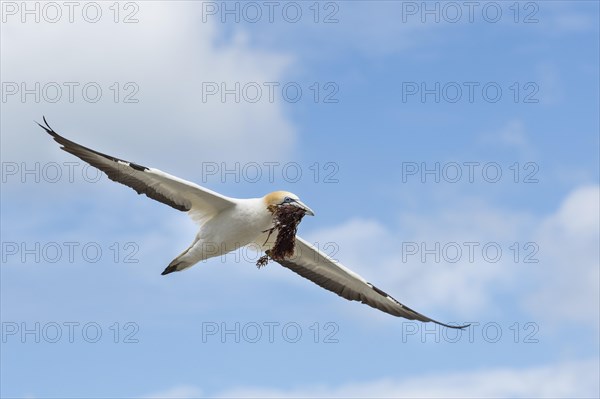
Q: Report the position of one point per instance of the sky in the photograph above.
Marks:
(450, 151)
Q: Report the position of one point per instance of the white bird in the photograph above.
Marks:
(230, 223)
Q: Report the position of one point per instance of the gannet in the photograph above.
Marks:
(227, 224)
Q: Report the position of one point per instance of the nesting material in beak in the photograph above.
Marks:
(286, 220)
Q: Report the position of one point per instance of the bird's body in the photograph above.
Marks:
(242, 224)
(227, 224)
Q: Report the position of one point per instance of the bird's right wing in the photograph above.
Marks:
(319, 268)
(201, 203)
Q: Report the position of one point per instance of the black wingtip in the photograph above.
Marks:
(47, 128)
(169, 269)
(449, 326)
(42, 126)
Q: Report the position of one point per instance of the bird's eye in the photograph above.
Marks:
(287, 200)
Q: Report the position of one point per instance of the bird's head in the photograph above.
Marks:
(286, 198)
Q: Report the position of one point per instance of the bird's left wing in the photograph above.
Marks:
(319, 268)
(201, 203)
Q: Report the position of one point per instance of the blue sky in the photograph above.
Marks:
(82, 255)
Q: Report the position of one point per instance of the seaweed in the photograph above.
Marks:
(286, 219)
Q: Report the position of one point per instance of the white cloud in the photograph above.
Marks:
(178, 392)
(569, 273)
(511, 135)
(463, 288)
(550, 83)
(569, 379)
(168, 55)
(562, 286)
(393, 33)
(562, 18)
(578, 215)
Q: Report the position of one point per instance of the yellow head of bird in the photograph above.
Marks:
(285, 197)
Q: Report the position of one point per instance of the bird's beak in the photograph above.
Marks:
(301, 205)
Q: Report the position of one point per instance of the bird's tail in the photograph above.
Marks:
(177, 265)
(181, 262)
